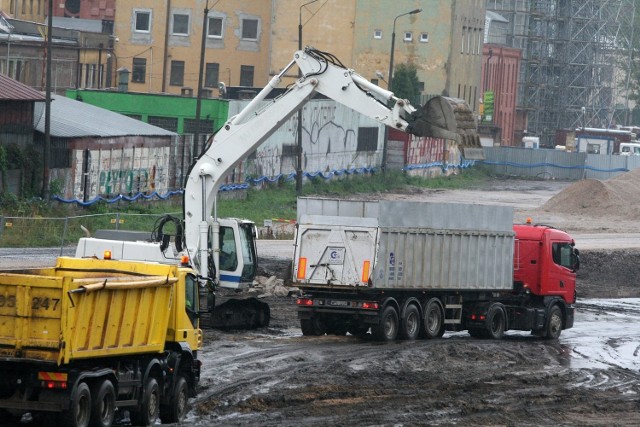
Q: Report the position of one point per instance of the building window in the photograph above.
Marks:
(180, 24)
(177, 73)
(246, 75)
(211, 74)
(377, 34)
(367, 139)
(139, 70)
(214, 27)
(408, 36)
(424, 37)
(167, 123)
(374, 81)
(142, 21)
(250, 29)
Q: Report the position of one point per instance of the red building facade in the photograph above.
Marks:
(500, 72)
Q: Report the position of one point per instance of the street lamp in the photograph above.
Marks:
(393, 42)
(390, 78)
(299, 151)
(203, 43)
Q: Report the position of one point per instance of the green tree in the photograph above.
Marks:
(405, 83)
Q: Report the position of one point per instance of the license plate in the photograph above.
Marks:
(337, 303)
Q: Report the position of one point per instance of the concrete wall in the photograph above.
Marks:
(117, 166)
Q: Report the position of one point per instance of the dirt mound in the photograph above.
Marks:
(618, 197)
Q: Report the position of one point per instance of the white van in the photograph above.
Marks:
(629, 149)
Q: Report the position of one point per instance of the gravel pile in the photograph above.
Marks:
(615, 197)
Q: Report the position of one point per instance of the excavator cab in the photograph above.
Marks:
(449, 118)
(238, 259)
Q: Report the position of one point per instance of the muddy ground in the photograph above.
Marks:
(589, 377)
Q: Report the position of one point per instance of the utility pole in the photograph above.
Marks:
(47, 109)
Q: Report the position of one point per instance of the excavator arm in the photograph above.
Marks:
(243, 133)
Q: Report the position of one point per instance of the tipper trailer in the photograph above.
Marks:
(415, 269)
(88, 337)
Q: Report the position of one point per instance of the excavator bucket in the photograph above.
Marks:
(449, 118)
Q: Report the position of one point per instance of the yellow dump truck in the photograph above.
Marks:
(89, 339)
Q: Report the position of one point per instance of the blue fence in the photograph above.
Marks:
(556, 164)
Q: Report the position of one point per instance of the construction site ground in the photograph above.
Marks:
(589, 377)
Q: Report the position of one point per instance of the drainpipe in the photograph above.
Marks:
(166, 47)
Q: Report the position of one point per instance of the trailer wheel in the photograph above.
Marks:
(312, 327)
(433, 319)
(410, 324)
(79, 412)
(496, 322)
(104, 404)
(387, 329)
(177, 408)
(554, 323)
(149, 406)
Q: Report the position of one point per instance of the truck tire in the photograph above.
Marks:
(410, 324)
(312, 327)
(496, 322)
(103, 408)
(149, 406)
(553, 327)
(387, 329)
(177, 408)
(79, 412)
(433, 324)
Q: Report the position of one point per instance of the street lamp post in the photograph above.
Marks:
(299, 150)
(393, 43)
(196, 132)
(389, 81)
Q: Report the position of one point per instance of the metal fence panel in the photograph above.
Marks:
(556, 164)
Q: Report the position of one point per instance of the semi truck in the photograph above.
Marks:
(91, 338)
(413, 270)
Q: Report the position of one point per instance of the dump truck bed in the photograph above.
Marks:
(403, 245)
(85, 308)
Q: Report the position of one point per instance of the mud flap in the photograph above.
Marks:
(449, 118)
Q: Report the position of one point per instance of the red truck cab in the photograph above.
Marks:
(545, 262)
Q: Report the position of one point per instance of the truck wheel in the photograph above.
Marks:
(149, 406)
(387, 329)
(79, 413)
(433, 326)
(496, 322)
(554, 323)
(410, 324)
(177, 408)
(312, 327)
(104, 405)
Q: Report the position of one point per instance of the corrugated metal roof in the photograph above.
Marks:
(13, 90)
(71, 118)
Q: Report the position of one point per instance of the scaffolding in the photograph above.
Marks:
(575, 64)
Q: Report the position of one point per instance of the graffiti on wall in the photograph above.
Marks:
(107, 172)
(329, 142)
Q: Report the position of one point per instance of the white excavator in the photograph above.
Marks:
(223, 250)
